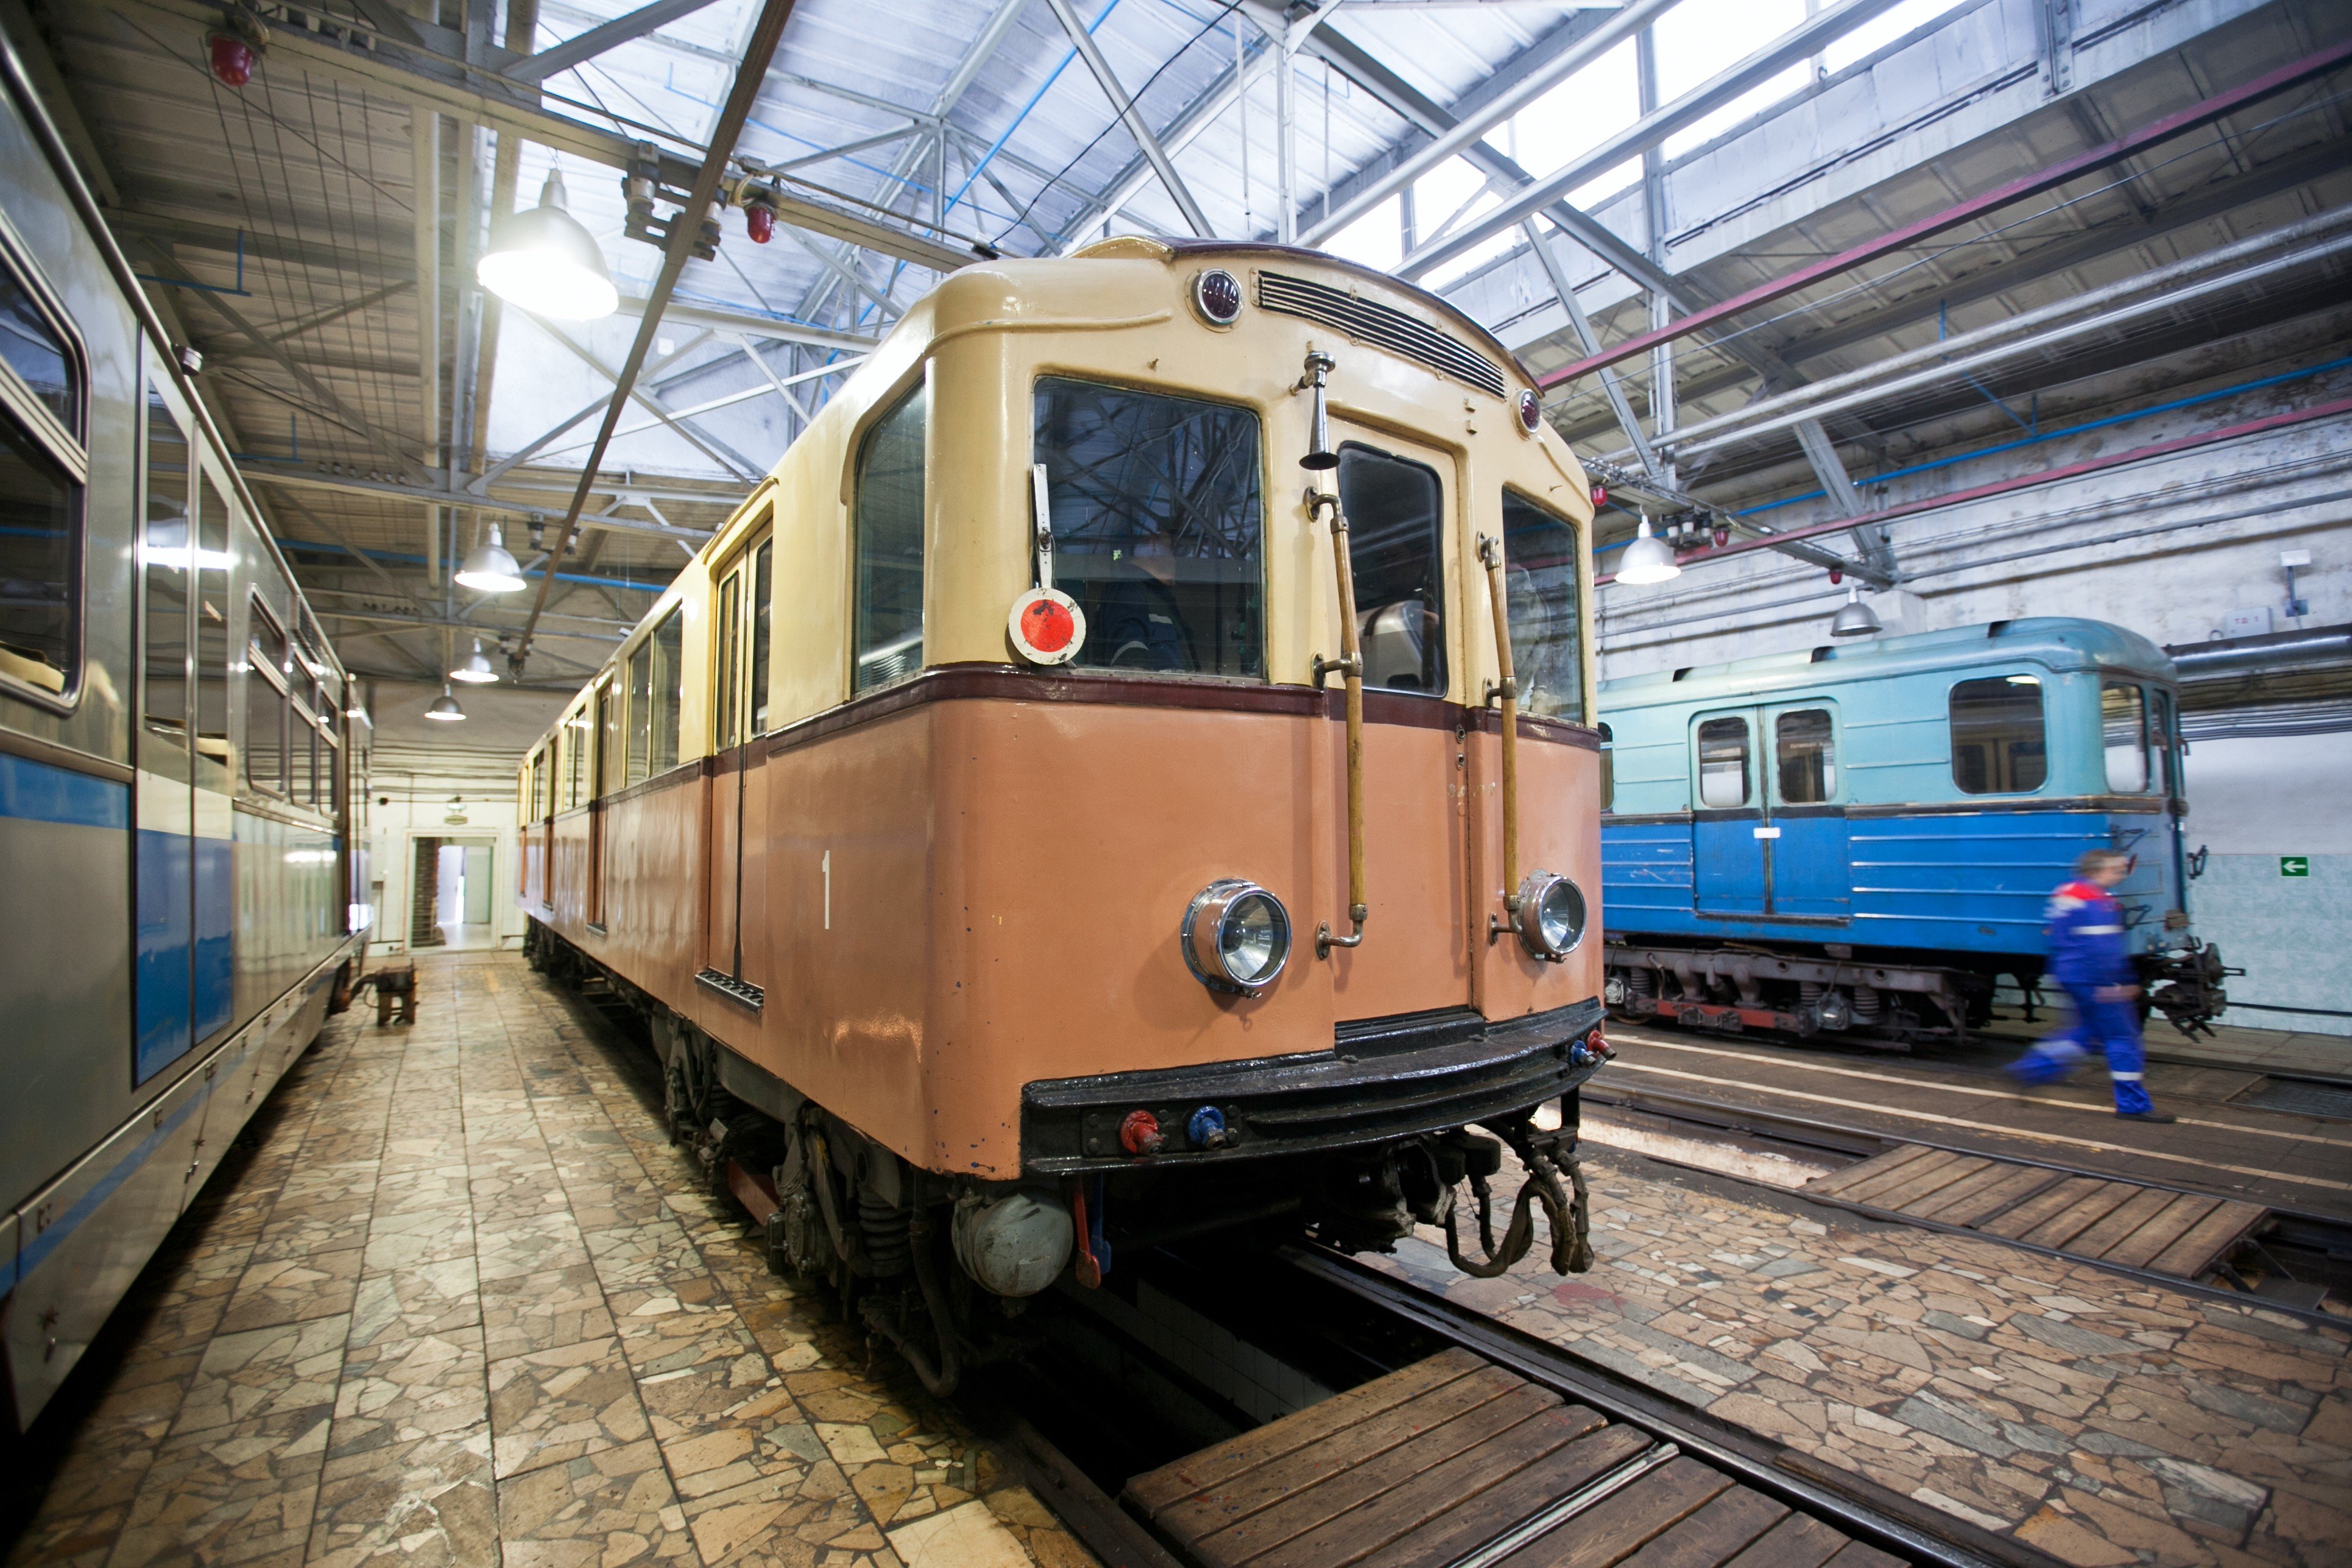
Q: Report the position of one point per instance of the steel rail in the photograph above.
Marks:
(2115, 151)
(685, 229)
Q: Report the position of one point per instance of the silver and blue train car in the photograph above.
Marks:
(178, 770)
(1859, 841)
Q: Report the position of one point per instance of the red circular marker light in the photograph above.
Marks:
(1530, 412)
(1217, 295)
(1140, 1133)
(1600, 496)
(1046, 626)
(232, 59)
(762, 223)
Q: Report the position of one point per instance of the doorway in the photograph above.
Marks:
(456, 902)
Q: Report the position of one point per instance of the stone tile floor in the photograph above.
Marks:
(2105, 1421)
(455, 1302)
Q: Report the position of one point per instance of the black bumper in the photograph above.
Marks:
(1389, 1079)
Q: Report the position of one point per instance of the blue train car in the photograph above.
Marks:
(177, 778)
(1860, 839)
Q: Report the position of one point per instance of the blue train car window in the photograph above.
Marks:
(1998, 744)
(1723, 775)
(43, 466)
(2123, 725)
(1804, 756)
(1396, 521)
(1539, 552)
(1159, 526)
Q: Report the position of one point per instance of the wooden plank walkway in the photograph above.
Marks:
(2180, 1233)
(1454, 1462)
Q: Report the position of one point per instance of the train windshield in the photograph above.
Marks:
(1158, 526)
(1539, 553)
(2123, 723)
(1396, 521)
(1998, 746)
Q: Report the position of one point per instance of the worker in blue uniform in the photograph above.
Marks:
(2091, 962)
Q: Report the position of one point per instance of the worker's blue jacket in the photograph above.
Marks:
(2086, 938)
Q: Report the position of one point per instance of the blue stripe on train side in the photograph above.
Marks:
(31, 1251)
(41, 791)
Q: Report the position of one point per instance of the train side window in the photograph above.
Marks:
(1804, 756)
(641, 710)
(1723, 776)
(1998, 743)
(1608, 769)
(743, 617)
(610, 767)
(763, 564)
(1159, 527)
(576, 755)
(668, 645)
(728, 728)
(889, 623)
(43, 466)
(267, 711)
(212, 634)
(163, 575)
(1539, 557)
(2161, 733)
(1396, 529)
(2123, 723)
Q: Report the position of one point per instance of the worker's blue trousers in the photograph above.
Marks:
(2110, 1028)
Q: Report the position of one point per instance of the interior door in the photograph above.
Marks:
(1810, 866)
(1404, 526)
(606, 735)
(164, 855)
(737, 829)
(1731, 822)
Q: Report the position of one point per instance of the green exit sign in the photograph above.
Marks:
(2294, 865)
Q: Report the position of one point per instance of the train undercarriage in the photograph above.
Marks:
(1890, 1002)
(941, 1266)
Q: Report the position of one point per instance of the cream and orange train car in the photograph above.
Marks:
(1130, 765)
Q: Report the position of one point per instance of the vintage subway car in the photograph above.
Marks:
(1095, 771)
(175, 778)
(1858, 841)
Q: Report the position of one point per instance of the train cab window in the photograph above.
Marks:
(1539, 557)
(2123, 723)
(2163, 738)
(1804, 757)
(43, 466)
(163, 576)
(890, 627)
(1723, 775)
(1998, 744)
(1158, 528)
(1396, 528)
(266, 712)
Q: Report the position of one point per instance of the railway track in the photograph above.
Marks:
(1433, 1436)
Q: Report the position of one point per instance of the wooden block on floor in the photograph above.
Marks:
(1910, 1190)
(1899, 1177)
(1476, 1520)
(2122, 1223)
(1623, 1523)
(2018, 1183)
(1715, 1535)
(2142, 1246)
(1835, 1183)
(2209, 1239)
(1800, 1540)
(2041, 1206)
(2081, 1215)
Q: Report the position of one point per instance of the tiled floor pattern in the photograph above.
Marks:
(2106, 1422)
(457, 1304)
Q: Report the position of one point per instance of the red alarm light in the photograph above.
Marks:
(232, 59)
(760, 220)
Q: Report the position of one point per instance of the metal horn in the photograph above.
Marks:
(1319, 457)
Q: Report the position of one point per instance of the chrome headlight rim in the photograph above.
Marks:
(1535, 892)
(1208, 919)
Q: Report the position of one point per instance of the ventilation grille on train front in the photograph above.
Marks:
(1376, 323)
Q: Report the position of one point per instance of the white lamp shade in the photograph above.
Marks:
(1854, 619)
(541, 260)
(490, 570)
(445, 708)
(477, 668)
(1648, 560)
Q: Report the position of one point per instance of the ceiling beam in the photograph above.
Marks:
(1136, 126)
(437, 495)
(595, 41)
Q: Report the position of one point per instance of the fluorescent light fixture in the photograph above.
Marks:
(541, 260)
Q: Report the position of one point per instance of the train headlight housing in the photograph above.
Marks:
(1550, 916)
(1236, 936)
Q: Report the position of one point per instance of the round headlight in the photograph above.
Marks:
(1551, 915)
(1531, 412)
(1236, 936)
(1217, 295)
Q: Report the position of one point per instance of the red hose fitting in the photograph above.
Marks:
(1140, 1133)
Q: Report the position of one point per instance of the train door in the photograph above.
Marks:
(164, 855)
(1808, 867)
(736, 897)
(1403, 542)
(1731, 818)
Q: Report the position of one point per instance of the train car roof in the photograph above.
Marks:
(2057, 642)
